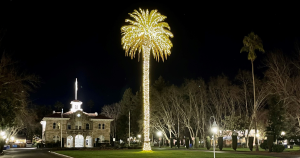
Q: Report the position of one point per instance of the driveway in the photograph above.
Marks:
(28, 153)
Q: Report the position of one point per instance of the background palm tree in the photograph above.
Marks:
(251, 43)
(147, 33)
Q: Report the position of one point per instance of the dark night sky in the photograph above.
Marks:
(63, 41)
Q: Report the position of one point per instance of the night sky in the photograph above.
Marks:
(63, 41)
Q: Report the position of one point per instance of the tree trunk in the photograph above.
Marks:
(254, 110)
(146, 65)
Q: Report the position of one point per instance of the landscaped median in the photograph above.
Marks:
(157, 153)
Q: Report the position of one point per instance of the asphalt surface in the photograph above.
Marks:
(28, 153)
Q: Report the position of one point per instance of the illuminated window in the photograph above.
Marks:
(87, 126)
(54, 125)
(103, 126)
(58, 125)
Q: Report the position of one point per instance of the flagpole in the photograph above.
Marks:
(129, 129)
(62, 110)
(76, 88)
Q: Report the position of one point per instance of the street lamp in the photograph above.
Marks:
(282, 133)
(139, 136)
(214, 129)
(159, 135)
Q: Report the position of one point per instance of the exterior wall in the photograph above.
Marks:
(93, 130)
(104, 132)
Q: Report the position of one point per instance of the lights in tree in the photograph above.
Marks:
(147, 33)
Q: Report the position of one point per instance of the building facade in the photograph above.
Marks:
(78, 128)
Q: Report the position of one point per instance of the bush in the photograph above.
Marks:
(220, 143)
(208, 143)
(251, 143)
(178, 143)
(187, 142)
(278, 148)
(264, 145)
(234, 142)
(270, 142)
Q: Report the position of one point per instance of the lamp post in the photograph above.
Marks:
(139, 136)
(214, 129)
(159, 136)
(257, 136)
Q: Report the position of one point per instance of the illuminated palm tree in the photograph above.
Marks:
(147, 33)
(251, 43)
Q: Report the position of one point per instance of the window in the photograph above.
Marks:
(69, 126)
(58, 125)
(56, 139)
(87, 126)
(79, 127)
(76, 106)
(99, 126)
(103, 126)
(54, 125)
(76, 127)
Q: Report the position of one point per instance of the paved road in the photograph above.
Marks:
(28, 153)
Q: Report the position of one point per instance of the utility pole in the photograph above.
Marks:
(129, 130)
(62, 110)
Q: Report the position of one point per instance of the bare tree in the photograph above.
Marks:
(113, 111)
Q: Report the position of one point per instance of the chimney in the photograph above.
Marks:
(96, 113)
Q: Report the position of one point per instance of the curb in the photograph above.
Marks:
(60, 154)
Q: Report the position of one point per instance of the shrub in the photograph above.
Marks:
(270, 142)
(278, 148)
(208, 143)
(251, 143)
(220, 143)
(187, 142)
(178, 143)
(234, 142)
(264, 145)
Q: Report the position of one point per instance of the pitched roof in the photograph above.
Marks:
(58, 115)
(100, 117)
(66, 115)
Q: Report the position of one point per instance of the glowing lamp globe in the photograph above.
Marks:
(139, 136)
(159, 133)
(282, 133)
(214, 127)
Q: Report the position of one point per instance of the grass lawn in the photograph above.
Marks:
(156, 153)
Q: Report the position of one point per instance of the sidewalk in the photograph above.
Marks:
(295, 154)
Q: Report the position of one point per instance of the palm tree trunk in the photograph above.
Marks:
(254, 109)
(146, 65)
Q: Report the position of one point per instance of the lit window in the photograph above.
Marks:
(103, 126)
(54, 125)
(58, 125)
(87, 126)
